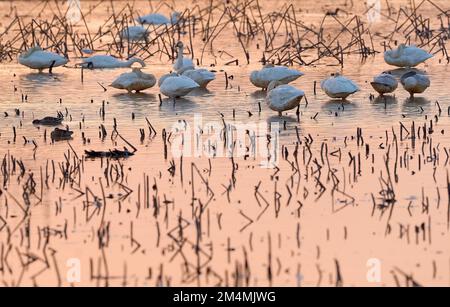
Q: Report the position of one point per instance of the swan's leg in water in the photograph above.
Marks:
(51, 67)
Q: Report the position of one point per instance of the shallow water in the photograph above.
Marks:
(202, 219)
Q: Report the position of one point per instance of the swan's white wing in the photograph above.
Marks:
(338, 85)
(416, 55)
(279, 73)
(181, 83)
(424, 80)
(410, 82)
(282, 97)
(165, 77)
(178, 86)
(283, 93)
(102, 61)
(386, 79)
(134, 33)
(154, 19)
(124, 80)
(199, 75)
(43, 59)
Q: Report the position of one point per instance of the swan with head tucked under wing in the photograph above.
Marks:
(135, 80)
(283, 97)
(338, 87)
(108, 61)
(262, 78)
(384, 83)
(37, 58)
(164, 77)
(134, 33)
(159, 19)
(415, 83)
(201, 76)
(174, 86)
(182, 64)
(406, 56)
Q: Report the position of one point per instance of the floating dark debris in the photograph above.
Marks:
(61, 135)
(115, 154)
(48, 121)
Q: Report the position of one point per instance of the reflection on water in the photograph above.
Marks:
(385, 100)
(281, 120)
(202, 92)
(416, 105)
(344, 107)
(160, 217)
(183, 104)
(134, 98)
(259, 95)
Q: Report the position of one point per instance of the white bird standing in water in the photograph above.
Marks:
(159, 19)
(164, 77)
(262, 78)
(182, 64)
(201, 76)
(108, 61)
(338, 86)
(174, 86)
(384, 83)
(282, 97)
(415, 83)
(135, 80)
(134, 33)
(406, 56)
(36, 58)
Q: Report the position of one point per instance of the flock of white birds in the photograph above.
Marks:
(185, 77)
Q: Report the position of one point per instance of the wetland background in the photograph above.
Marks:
(359, 186)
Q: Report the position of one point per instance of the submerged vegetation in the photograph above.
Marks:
(106, 188)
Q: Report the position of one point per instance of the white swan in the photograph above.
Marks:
(159, 19)
(282, 97)
(164, 77)
(134, 33)
(384, 83)
(182, 64)
(339, 87)
(108, 61)
(177, 86)
(415, 83)
(262, 78)
(201, 76)
(135, 80)
(406, 56)
(36, 58)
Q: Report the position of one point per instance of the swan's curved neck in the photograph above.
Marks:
(180, 56)
(131, 62)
